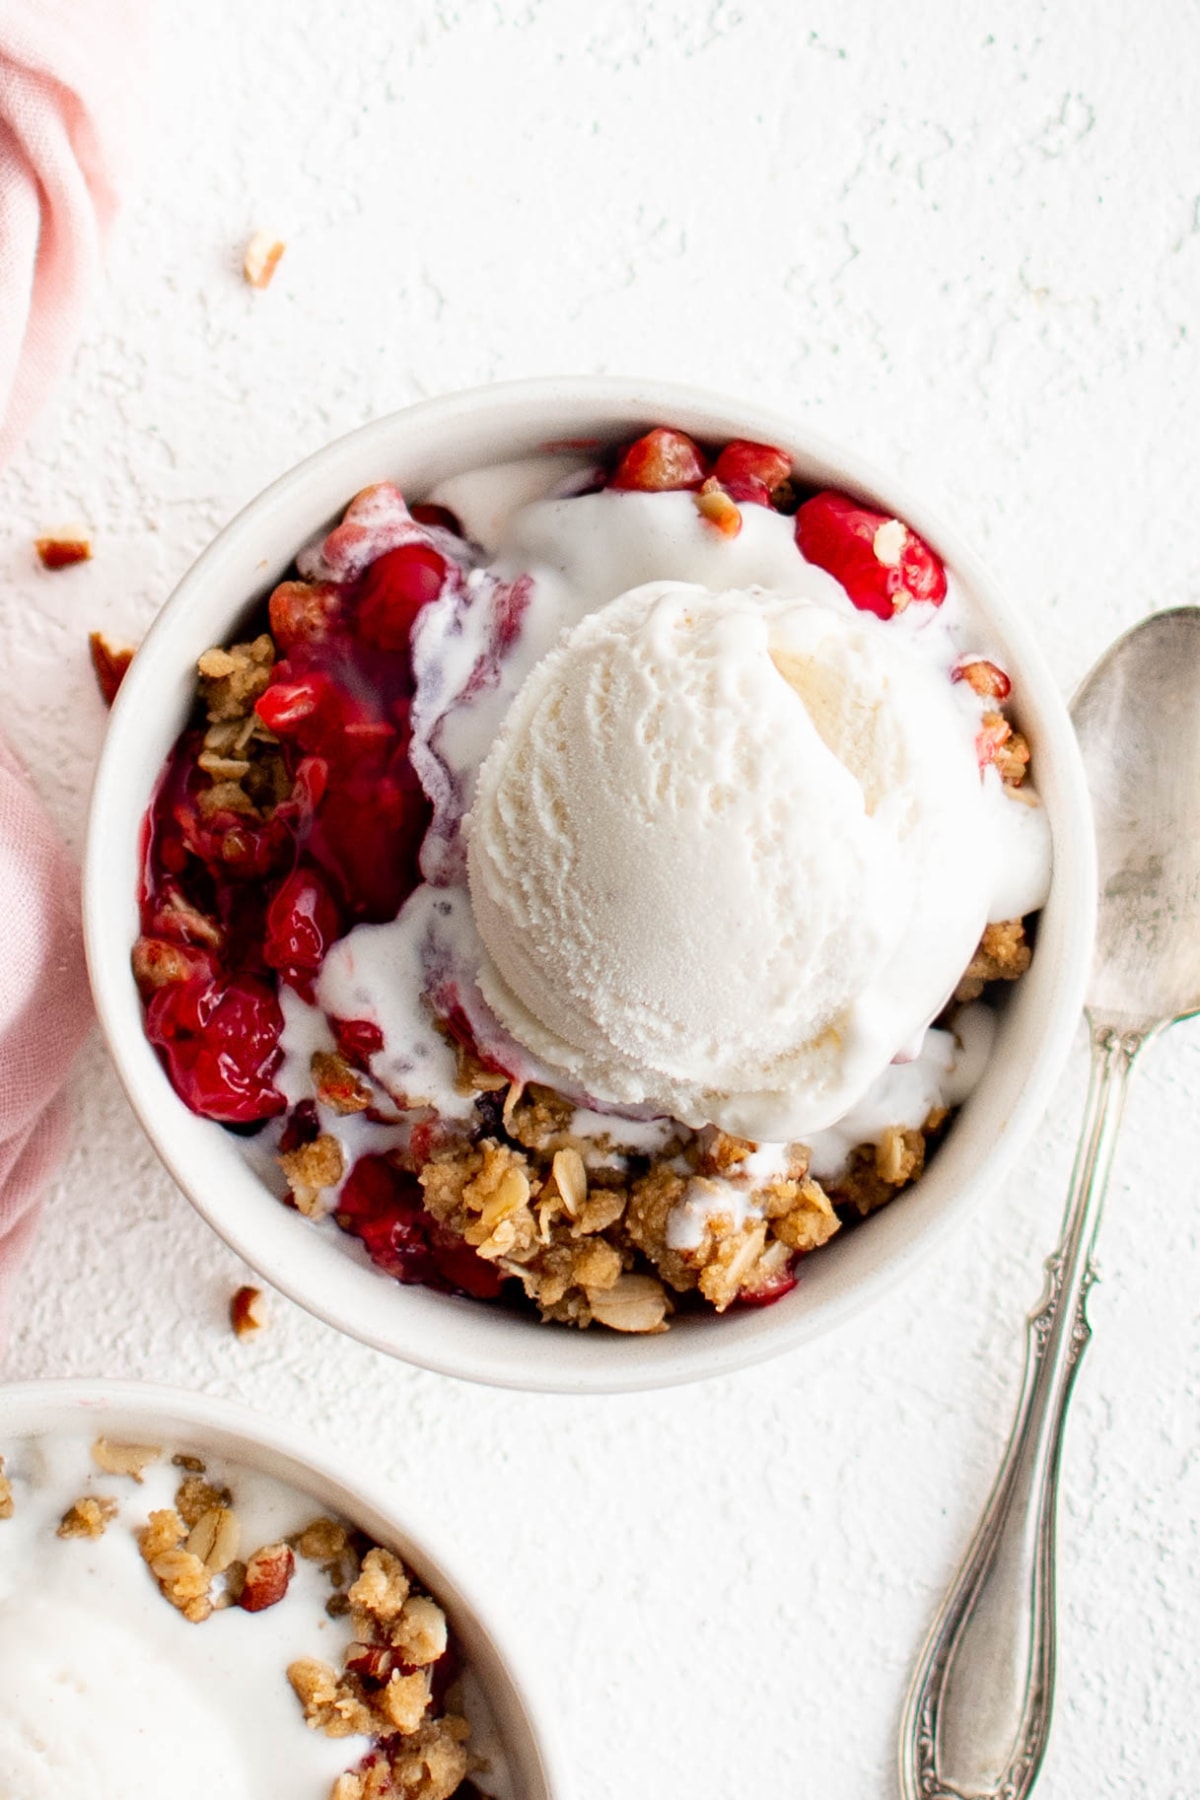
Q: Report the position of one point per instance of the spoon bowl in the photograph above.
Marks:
(1137, 717)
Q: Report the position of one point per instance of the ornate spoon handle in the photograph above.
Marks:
(977, 1715)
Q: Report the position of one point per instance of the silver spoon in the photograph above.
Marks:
(977, 1716)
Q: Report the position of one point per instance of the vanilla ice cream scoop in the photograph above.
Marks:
(728, 855)
(90, 1709)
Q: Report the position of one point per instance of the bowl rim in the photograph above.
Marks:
(40, 1408)
(482, 1343)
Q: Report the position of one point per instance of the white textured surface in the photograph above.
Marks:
(976, 256)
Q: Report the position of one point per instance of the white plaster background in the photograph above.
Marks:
(964, 238)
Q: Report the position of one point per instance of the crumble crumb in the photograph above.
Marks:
(339, 1086)
(1012, 759)
(330, 1704)
(312, 1168)
(248, 1312)
(261, 258)
(109, 665)
(90, 1517)
(403, 1702)
(1002, 955)
(382, 1588)
(194, 1497)
(232, 680)
(324, 1541)
(56, 553)
(124, 1459)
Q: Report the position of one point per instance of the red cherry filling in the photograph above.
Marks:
(220, 1041)
(751, 472)
(358, 1040)
(660, 461)
(302, 922)
(881, 563)
(394, 589)
(384, 1207)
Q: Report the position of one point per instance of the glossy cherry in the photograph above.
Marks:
(220, 1040)
(881, 563)
(394, 589)
(660, 461)
(751, 472)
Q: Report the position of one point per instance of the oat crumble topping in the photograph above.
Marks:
(89, 1517)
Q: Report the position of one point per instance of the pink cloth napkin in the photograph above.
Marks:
(67, 68)
(65, 118)
(44, 1008)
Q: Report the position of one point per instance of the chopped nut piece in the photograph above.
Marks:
(382, 1588)
(268, 1573)
(635, 1303)
(62, 552)
(420, 1633)
(261, 258)
(124, 1459)
(108, 665)
(88, 1518)
(214, 1539)
(248, 1311)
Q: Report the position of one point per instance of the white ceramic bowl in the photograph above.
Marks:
(462, 1337)
(198, 1423)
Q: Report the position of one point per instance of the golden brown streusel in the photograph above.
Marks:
(232, 680)
(330, 1703)
(312, 1168)
(90, 1517)
(381, 1588)
(195, 1496)
(323, 1541)
(1002, 955)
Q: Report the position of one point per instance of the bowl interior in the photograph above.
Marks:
(324, 1269)
(199, 1423)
